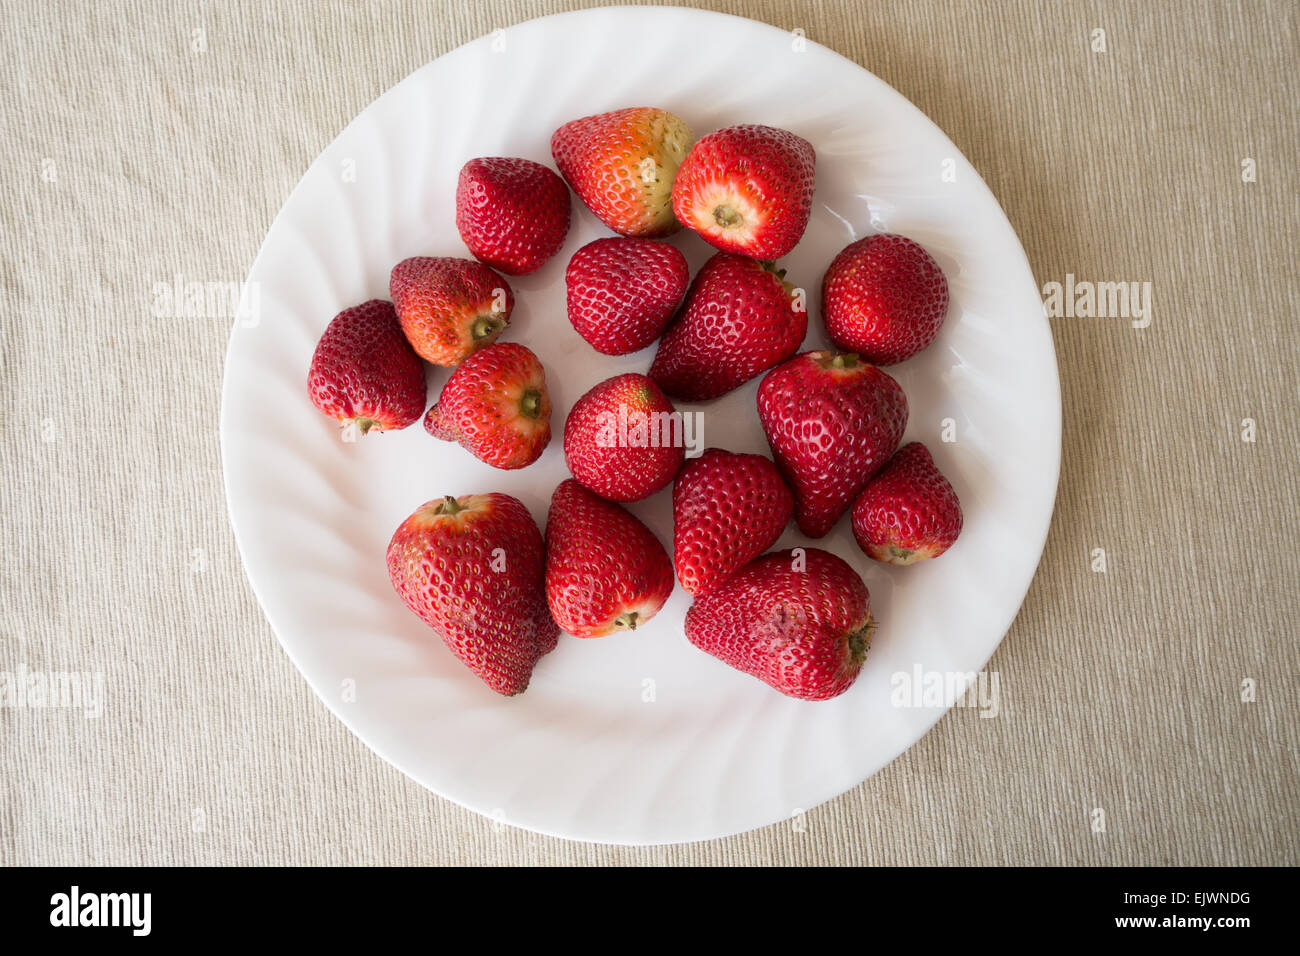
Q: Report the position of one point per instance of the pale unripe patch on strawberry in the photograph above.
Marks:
(622, 164)
(718, 212)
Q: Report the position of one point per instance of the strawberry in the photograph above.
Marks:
(908, 512)
(623, 292)
(623, 439)
(605, 570)
(622, 165)
(364, 372)
(884, 297)
(832, 421)
(727, 510)
(799, 620)
(740, 318)
(449, 307)
(473, 569)
(513, 214)
(495, 405)
(747, 189)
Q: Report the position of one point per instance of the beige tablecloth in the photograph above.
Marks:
(148, 141)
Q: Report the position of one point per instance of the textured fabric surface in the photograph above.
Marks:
(150, 141)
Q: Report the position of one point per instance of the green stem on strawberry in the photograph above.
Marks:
(860, 640)
(448, 506)
(627, 622)
(530, 403)
(484, 326)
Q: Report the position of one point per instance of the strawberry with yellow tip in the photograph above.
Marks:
(622, 165)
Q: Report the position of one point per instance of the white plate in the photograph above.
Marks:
(638, 738)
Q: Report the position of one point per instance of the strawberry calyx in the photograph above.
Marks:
(486, 325)
(627, 621)
(448, 506)
(530, 403)
(727, 216)
(859, 640)
(845, 361)
(363, 424)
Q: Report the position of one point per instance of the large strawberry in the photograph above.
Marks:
(605, 570)
(449, 307)
(748, 190)
(623, 439)
(740, 318)
(728, 509)
(622, 165)
(364, 372)
(513, 214)
(832, 421)
(495, 405)
(908, 512)
(622, 293)
(473, 569)
(799, 620)
(885, 298)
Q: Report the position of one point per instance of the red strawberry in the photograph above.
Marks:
(741, 318)
(884, 297)
(364, 372)
(622, 165)
(495, 405)
(623, 292)
(605, 570)
(748, 190)
(512, 213)
(832, 421)
(908, 512)
(449, 307)
(727, 510)
(799, 620)
(623, 439)
(473, 569)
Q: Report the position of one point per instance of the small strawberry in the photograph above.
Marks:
(623, 439)
(605, 570)
(623, 292)
(473, 568)
(622, 165)
(832, 421)
(884, 297)
(747, 190)
(364, 372)
(908, 512)
(495, 405)
(798, 620)
(513, 214)
(727, 510)
(449, 307)
(740, 318)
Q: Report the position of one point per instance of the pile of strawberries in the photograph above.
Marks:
(477, 568)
